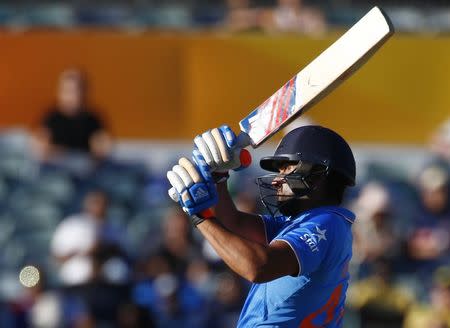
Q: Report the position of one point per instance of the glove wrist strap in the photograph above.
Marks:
(198, 218)
(220, 177)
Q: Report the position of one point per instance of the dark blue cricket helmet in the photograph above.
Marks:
(316, 145)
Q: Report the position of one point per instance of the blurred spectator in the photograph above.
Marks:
(440, 141)
(71, 125)
(134, 316)
(84, 239)
(41, 307)
(177, 245)
(374, 232)
(379, 301)
(176, 281)
(102, 299)
(245, 201)
(169, 297)
(94, 266)
(241, 17)
(200, 276)
(435, 314)
(429, 242)
(294, 16)
(228, 301)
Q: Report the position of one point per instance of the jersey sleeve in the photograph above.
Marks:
(273, 225)
(313, 241)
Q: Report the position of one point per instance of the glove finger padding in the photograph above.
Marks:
(184, 175)
(238, 158)
(173, 194)
(176, 181)
(201, 164)
(202, 146)
(192, 186)
(191, 169)
(228, 134)
(221, 145)
(213, 146)
(216, 146)
(220, 149)
(180, 180)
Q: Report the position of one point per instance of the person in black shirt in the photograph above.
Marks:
(70, 125)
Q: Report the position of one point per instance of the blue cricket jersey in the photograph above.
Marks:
(321, 239)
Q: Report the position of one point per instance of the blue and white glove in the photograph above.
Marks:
(221, 150)
(193, 187)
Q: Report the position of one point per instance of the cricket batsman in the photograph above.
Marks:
(297, 257)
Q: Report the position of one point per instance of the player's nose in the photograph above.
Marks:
(278, 181)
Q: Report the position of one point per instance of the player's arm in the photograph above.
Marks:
(221, 153)
(194, 189)
(252, 260)
(247, 225)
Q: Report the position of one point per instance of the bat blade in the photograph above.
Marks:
(318, 78)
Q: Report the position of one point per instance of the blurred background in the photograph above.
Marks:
(98, 99)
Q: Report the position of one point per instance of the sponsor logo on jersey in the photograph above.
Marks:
(313, 239)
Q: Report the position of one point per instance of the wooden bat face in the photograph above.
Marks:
(317, 79)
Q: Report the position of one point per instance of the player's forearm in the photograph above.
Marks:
(248, 259)
(247, 225)
(225, 209)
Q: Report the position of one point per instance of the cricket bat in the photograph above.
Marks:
(325, 73)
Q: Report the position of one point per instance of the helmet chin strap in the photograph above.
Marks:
(291, 206)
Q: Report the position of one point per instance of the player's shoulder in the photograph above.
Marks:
(331, 216)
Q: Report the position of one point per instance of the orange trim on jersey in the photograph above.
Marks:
(329, 308)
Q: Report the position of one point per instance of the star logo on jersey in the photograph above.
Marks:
(313, 239)
(320, 235)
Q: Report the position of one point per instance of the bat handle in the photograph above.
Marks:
(243, 140)
(241, 154)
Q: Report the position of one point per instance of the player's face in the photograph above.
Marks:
(288, 182)
(280, 183)
(288, 191)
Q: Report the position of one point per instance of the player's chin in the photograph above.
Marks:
(282, 197)
(293, 207)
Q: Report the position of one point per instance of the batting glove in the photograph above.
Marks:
(221, 151)
(193, 187)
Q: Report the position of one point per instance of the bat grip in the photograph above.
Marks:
(242, 155)
(243, 140)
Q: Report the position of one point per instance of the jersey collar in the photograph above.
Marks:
(341, 211)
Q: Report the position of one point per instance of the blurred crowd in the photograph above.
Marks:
(298, 16)
(113, 251)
